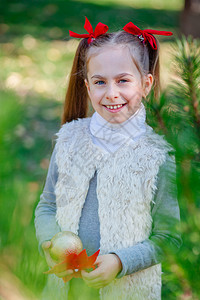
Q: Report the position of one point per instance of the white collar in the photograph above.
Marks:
(110, 137)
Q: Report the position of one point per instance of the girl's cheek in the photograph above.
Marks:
(137, 93)
(98, 94)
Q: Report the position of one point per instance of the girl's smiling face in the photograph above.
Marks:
(115, 85)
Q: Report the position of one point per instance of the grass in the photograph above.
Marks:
(52, 20)
(24, 159)
(35, 61)
(149, 4)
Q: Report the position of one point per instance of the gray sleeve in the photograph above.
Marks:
(45, 222)
(166, 217)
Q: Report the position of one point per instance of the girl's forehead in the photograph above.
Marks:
(112, 56)
(110, 50)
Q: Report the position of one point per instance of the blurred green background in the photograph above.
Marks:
(35, 57)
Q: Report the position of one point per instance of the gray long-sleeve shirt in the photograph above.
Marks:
(165, 214)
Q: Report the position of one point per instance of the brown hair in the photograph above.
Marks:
(76, 100)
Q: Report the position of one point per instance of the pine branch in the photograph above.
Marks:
(177, 113)
(187, 84)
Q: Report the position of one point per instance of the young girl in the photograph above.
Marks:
(111, 178)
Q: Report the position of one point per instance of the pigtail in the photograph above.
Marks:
(156, 86)
(154, 68)
(76, 99)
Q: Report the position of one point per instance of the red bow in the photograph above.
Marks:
(99, 30)
(75, 262)
(146, 34)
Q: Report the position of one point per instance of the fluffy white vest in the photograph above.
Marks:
(126, 183)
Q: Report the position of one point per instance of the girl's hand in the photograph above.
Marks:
(51, 263)
(109, 266)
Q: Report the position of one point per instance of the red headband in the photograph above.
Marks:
(99, 30)
(146, 34)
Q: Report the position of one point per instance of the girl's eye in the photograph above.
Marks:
(99, 82)
(123, 80)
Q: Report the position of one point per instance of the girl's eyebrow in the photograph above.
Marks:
(97, 76)
(117, 76)
(124, 74)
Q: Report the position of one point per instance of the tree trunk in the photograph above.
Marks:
(190, 18)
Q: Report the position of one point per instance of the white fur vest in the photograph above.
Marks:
(126, 183)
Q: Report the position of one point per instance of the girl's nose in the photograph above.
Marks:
(112, 92)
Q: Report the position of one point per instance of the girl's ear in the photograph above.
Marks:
(148, 82)
(87, 85)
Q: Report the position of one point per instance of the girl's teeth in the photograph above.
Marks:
(115, 106)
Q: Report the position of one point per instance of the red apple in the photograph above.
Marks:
(63, 243)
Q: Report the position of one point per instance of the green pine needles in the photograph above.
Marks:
(186, 88)
(177, 115)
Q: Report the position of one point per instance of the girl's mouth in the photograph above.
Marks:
(114, 108)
